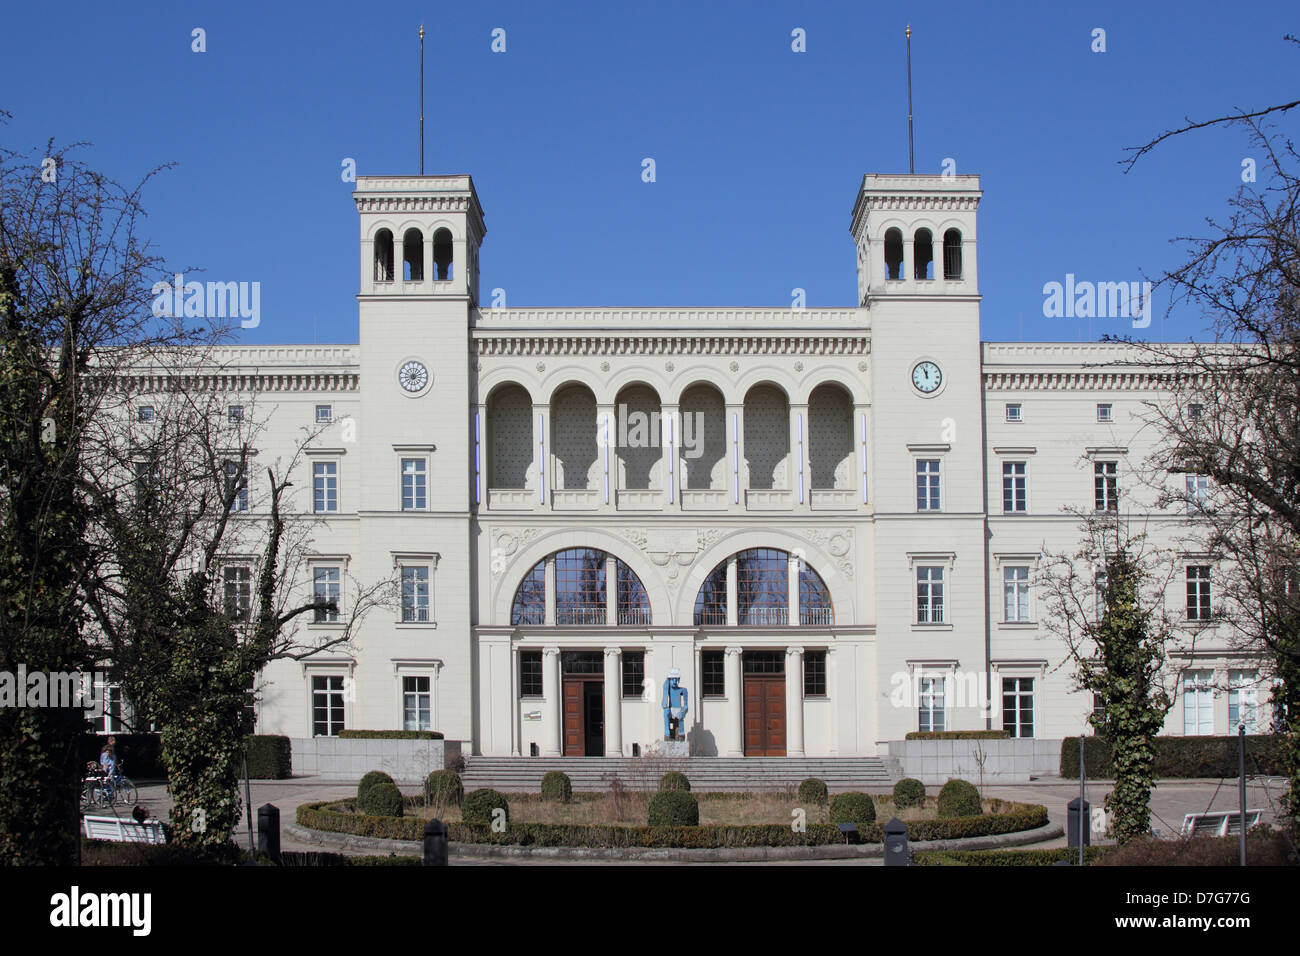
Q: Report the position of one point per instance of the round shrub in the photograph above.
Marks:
(369, 780)
(381, 800)
(909, 792)
(813, 790)
(674, 808)
(556, 787)
(478, 805)
(853, 807)
(674, 780)
(444, 787)
(959, 799)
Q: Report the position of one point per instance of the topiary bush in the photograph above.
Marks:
(674, 808)
(853, 807)
(909, 792)
(371, 779)
(959, 799)
(270, 757)
(556, 787)
(674, 780)
(813, 790)
(444, 787)
(380, 800)
(478, 805)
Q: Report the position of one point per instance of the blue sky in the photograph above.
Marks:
(759, 150)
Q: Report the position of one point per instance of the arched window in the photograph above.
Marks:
(762, 592)
(952, 254)
(580, 591)
(413, 256)
(923, 253)
(384, 255)
(711, 602)
(893, 254)
(442, 254)
(814, 598)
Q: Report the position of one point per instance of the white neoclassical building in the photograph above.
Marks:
(826, 519)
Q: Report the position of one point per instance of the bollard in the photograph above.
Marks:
(1079, 824)
(435, 843)
(896, 853)
(268, 831)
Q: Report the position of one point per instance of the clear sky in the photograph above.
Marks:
(759, 150)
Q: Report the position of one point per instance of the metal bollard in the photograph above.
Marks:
(435, 843)
(1079, 824)
(896, 844)
(268, 831)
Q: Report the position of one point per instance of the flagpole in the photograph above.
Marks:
(911, 165)
(422, 99)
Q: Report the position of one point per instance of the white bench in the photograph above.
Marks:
(1219, 823)
(119, 830)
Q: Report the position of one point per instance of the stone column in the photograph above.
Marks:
(736, 697)
(516, 718)
(550, 589)
(613, 702)
(909, 260)
(792, 588)
(832, 692)
(554, 694)
(671, 462)
(800, 474)
(607, 449)
(611, 590)
(541, 452)
(737, 478)
(733, 609)
(794, 701)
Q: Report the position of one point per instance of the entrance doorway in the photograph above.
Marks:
(584, 703)
(764, 701)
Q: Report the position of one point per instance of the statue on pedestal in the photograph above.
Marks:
(675, 706)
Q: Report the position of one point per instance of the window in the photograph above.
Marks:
(762, 589)
(711, 601)
(417, 704)
(580, 586)
(414, 497)
(1015, 593)
(929, 595)
(714, 674)
(530, 673)
(814, 598)
(530, 599)
(1198, 492)
(927, 484)
(145, 413)
(814, 673)
(1194, 412)
(325, 587)
(1015, 487)
(633, 673)
(236, 479)
(1099, 590)
(1014, 412)
(930, 704)
(1104, 413)
(108, 719)
(1098, 706)
(148, 481)
(1105, 485)
(415, 595)
(1198, 703)
(1242, 700)
(325, 486)
(1198, 592)
(1018, 706)
(235, 414)
(324, 414)
(326, 706)
(633, 601)
(237, 583)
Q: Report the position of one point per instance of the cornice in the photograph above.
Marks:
(1041, 380)
(614, 343)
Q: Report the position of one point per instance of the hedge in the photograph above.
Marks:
(322, 816)
(270, 757)
(909, 792)
(556, 787)
(957, 799)
(381, 800)
(479, 806)
(813, 790)
(674, 780)
(390, 735)
(369, 779)
(674, 808)
(853, 807)
(957, 735)
(1007, 857)
(1181, 757)
(444, 786)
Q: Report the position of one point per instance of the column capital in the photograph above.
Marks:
(794, 652)
(551, 651)
(613, 651)
(735, 651)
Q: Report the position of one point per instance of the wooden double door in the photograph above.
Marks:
(584, 716)
(764, 703)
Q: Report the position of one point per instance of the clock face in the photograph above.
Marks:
(413, 376)
(926, 377)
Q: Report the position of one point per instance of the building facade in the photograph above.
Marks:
(827, 520)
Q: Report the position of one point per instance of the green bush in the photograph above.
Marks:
(673, 780)
(1181, 757)
(1070, 854)
(270, 757)
(556, 787)
(909, 792)
(853, 807)
(813, 791)
(445, 787)
(369, 780)
(478, 805)
(959, 799)
(381, 800)
(1264, 847)
(390, 735)
(956, 735)
(674, 808)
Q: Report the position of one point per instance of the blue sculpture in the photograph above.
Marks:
(674, 705)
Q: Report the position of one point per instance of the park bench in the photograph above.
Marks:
(1219, 823)
(119, 830)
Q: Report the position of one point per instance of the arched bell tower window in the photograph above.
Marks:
(923, 253)
(442, 254)
(893, 253)
(952, 254)
(384, 255)
(413, 256)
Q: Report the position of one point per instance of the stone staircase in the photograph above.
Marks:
(707, 774)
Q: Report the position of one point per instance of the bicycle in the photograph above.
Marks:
(105, 790)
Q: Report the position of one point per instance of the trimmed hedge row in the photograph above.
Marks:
(320, 816)
(1181, 757)
(390, 735)
(957, 735)
(270, 757)
(1070, 854)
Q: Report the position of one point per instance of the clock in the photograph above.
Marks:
(413, 376)
(926, 377)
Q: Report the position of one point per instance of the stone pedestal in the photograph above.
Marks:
(671, 748)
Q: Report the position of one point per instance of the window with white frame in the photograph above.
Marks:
(1015, 593)
(325, 587)
(1014, 412)
(326, 705)
(927, 484)
(235, 414)
(414, 488)
(1243, 700)
(1018, 706)
(145, 413)
(1105, 482)
(1198, 703)
(1099, 593)
(1194, 412)
(236, 479)
(1198, 593)
(325, 486)
(1198, 492)
(1015, 487)
(111, 707)
(324, 414)
(1105, 413)
(415, 594)
(417, 703)
(237, 584)
(929, 594)
(930, 703)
